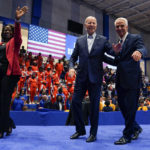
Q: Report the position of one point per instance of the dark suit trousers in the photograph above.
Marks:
(128, 103)
(94, 94)
(7, 85)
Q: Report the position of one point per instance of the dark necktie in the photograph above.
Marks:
(90, 37)
(120, 41)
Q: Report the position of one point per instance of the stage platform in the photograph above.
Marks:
(58, 118)
(57, 138)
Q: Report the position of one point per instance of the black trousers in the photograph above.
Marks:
(128, 103)
(85, 111)
(94, 95)
(7, 85)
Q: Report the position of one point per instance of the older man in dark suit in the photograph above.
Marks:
(90, 49)
(128, 78)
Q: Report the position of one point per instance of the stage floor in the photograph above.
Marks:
(57, 138)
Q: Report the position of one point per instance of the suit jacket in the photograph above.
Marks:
(90, 64)
(128, 73)
(12, 52)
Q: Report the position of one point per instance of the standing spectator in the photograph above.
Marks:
(40, 60)
(59, 68)
(48, 76)
(22, 50)
(33, 86)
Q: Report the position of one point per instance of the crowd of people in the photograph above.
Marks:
(46, 82)
(54, 84)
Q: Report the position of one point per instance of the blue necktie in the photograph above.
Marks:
(120, 41)
(90, 37)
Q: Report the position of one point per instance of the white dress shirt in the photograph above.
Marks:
(90, 41)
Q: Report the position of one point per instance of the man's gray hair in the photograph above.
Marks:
(88, 18)
(121, 18)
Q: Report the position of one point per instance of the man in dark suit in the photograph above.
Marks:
(128, 78)
(90, 49)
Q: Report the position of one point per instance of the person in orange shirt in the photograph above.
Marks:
(48, 66)
(43, 86)
(28, 75)
(54, 92)
(29, 72)
(14, 93)
(27, 62)
(59, 68)
(55, 77)
(50, 60)
(70, 88)
(66, 93)
(21, 59)
(22, 80)
(69, 79)
(48, 77)
(21, 83)
(33, 87)
(34, 66)
(30, 56)
(40, 60)
(41, 77)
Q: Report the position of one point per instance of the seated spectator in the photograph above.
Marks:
(117, 107)
(43, 101)
(48, 104)
(23, 96)
(111, 104)
(59, 102)
(114, 99)
(147, 102)
(142, 107)
(18, 103)
(107, 108)
(101, 104)
(60, 99)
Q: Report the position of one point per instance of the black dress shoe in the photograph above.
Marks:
(91, 138)
(136, 134)
(9, 131)
(77, 134)
(122, 141)
(13, 126)
(1, 135)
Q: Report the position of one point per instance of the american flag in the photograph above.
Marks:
(46, 41)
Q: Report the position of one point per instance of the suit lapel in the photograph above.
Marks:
(124, 47)
(94, 43)
(85, 43)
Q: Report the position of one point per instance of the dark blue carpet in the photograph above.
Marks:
(57, 138)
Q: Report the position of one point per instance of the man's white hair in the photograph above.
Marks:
(121, 18)
(88, 18)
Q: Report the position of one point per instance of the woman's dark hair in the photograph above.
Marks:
(12, 28)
